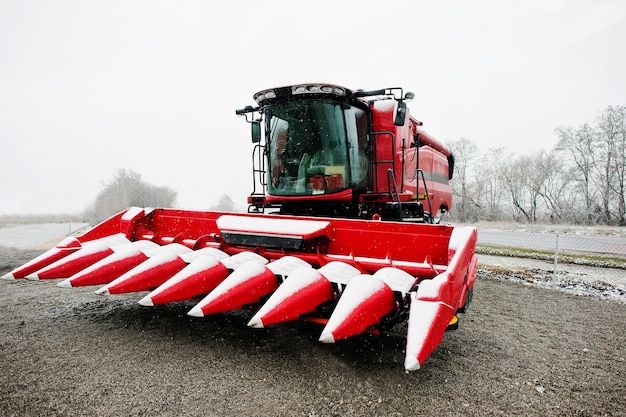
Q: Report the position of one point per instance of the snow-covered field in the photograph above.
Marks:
(37, 236)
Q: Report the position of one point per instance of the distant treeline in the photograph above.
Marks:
(126, 189)
(580, 181)
(13, 219)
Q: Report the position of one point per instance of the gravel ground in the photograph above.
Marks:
(521, 349)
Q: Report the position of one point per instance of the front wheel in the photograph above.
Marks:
(439, 215)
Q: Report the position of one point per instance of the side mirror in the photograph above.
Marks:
(400, 114)
(255, 131)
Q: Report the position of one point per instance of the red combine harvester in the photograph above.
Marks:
(343, 228)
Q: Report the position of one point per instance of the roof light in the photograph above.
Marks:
(264, 95)
(317, 89)
(300, 89)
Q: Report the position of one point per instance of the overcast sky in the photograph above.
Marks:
(89, 87)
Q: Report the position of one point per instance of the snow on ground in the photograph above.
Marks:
(604, 283)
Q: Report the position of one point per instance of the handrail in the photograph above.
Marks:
(391, 178)
(430, 206)
(375, 163)
(258, 170)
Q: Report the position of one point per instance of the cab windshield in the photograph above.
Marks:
(315, 147)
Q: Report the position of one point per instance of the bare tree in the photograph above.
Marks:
(582, 180)
(515, 176)
(552, 180)
(612, 137)
(579, 144)
(127, 189)
(225, 203)
(526, 179)
(489, 186)
(465, 152)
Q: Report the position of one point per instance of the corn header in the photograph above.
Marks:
(343, 228)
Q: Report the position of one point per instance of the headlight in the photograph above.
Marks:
(317, 89)
(264, 95)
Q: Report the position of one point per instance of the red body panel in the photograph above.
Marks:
(395, 148)
(370, 244)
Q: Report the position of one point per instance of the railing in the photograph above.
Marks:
(378, 165)
(259, 172)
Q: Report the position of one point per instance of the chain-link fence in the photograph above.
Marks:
(556, 256)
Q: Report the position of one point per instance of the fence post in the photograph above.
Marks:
(556, 257)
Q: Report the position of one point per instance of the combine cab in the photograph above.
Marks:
(343, 228)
